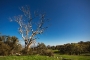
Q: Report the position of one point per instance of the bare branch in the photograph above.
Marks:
(26, 26)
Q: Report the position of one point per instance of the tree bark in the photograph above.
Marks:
(27, 46)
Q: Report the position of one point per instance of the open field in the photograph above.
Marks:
(37, 57)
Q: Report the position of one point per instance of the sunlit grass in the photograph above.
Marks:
(33, 57)
(38, 57)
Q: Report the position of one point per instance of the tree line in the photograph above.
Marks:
(73, 48)
(9, 45)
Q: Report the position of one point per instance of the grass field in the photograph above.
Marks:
(37, 57)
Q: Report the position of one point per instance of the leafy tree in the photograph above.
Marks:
(48, 46)
(14, 44)
(41, 46)
(53, 47)
(4, 49)
(43, 50)
(9, 45)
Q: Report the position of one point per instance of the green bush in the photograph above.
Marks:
(47, 52)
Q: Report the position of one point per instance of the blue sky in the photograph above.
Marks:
(70, 19)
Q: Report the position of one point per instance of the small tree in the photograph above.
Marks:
(27, 26)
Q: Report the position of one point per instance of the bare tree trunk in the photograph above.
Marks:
(26, 43)
(28, 46)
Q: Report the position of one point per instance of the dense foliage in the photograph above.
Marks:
(9, 45)
(40, 49)
(73, 48)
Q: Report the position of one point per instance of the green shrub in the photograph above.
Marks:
(47, 52)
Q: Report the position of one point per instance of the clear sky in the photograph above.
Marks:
(70, 19)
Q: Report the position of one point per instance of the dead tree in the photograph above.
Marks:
(28, 27)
